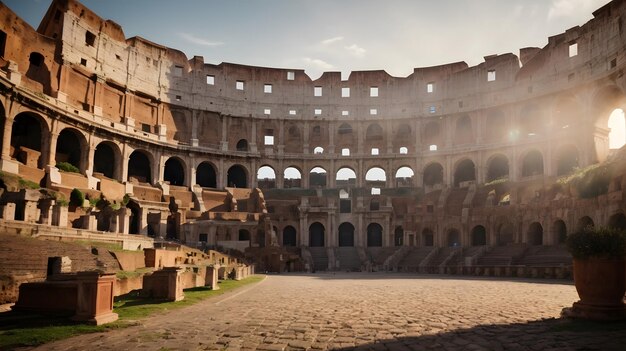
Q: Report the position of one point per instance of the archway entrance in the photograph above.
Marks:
(479, 236)
(374, 235)
(316, 235)
(289, 236)
(237, 177)
(346, 234)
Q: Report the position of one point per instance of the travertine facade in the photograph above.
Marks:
(426, 155)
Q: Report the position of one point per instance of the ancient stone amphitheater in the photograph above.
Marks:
(453, 168)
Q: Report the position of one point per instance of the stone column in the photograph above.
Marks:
(59, 215)
(224, 139)
(331, 138)
(8, 211)
(6, 141)
(253, 147)
(98, 89)
(281, 138)
(194, 128)
(305, 138)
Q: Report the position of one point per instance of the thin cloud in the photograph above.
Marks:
(572, 8)
(199, 41)
(356, 50)
(332, 40)
(318, 63)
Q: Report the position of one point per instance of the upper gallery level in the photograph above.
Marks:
(71, 35)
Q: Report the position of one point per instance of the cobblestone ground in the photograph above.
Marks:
(369, 311)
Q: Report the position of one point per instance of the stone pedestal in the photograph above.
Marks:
(95, 298)
(31, 212)
(89, 222)
(59, 215)
(211, 278)
(8, 211)
(164, 284)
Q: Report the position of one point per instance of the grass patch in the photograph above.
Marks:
(133, 274)
(30, 329)
(100, 244)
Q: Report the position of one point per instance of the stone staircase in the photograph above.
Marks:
(348, 258)
(502, 255)
(320, 258)
(412, 260)
(554, 255)
(21, 255)
(442, 256)
(378, 255)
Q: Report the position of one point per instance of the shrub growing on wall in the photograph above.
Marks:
(77, 198)
(594, 183)
(67, 167)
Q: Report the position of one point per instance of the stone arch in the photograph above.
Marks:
(605, 101)
(106, 160)
(497, 167)
(375, 177)
(206, 175)
(433, 174)
(531, 121)
(566, 111)
(463, 131)
(346, 234)
(559, 231)
(374, 235)
(290, 237)
(398, 236)
(318, 177)
(584, 222)
(345, 136)
(465, 171)
(237, 176)
(617, 221)
(174, 171)
(428, 237)
(28, 132)
(345, 176)
(535, 234)
(242, 145)
(243, 235)
(566, 159)
(532, 163)
(71, 148)
(453, 237)
(479, 236)
(432, 135)
(266, 177)
(506, 234)
(316, 235)
(404, 177)
(140, 167)
(375, 136)
(403, 138)
(39, 72)
(292, 177)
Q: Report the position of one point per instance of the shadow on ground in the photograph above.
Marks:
(549, 334)
(394, 275)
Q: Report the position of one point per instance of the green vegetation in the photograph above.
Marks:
(67, 167)
(28, 329)
(101, 244)
(133, 274)
(497, 181)
(597, 242)
(28, 184)
(77, 198)
(125, 199)
(591, 181)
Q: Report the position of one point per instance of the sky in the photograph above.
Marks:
(340, 35)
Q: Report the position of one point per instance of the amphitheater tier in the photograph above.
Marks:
(132, 114)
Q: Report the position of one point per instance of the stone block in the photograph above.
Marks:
(95, 298)
(211, 278)
(8, 211)
(164, 284)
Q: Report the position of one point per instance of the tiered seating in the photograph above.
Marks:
(414, 257)
(348, 258)
(320, 258)
(441, 256)
(546, 256)
(502, 255)
(20, 255)
(378, 255)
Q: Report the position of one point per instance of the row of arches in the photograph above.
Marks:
(505, 233)
(28, 135)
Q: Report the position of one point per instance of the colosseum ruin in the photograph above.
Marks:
(452, 168)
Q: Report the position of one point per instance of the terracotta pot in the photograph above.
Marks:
(600, 281)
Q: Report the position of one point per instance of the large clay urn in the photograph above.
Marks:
(600, 281)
